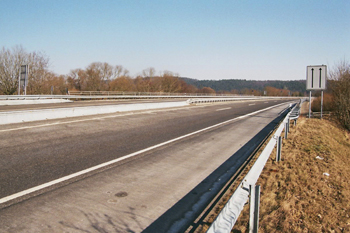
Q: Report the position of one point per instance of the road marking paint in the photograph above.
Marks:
(266, 102)
(74, 175)
(251, 104)
(222, 109)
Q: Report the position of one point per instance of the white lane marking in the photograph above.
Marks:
(251, 104)
(266, 102)
(222, 109)
(71, 176)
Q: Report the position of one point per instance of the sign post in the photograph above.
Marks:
(316, 77)
(24, 78)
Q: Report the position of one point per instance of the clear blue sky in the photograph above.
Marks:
(201, 39)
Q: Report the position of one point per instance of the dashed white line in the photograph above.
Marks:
(222, 109)
(251, 104)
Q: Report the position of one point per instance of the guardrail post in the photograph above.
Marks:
(286, 130)
(254, 202)
(279, 148)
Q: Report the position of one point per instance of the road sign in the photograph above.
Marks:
(316, 77)
(24, 74)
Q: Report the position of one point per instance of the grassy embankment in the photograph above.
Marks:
(309, 190)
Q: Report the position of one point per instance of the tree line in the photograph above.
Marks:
(100, 76)
(339, 92)
(242, 86)
(97, 76)
(105, 77)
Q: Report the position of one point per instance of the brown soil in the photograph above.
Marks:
(309, 190)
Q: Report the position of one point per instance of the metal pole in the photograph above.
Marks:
(286, 130)
(256, 212)
(279, 149)
(254, 202)
(251, 208)
(310, 105)
(19, 82)
(321, 103)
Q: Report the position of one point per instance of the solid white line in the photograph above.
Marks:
(65, 178)
(221, 109)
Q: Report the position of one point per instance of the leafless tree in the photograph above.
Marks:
(340, 87)
(149, 72)
(38, 74)
(10, 63)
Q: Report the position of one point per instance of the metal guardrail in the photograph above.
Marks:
(91, 93)
(188, 213)
(209, 100)
(195, 97)
(230, 213)
(38, 97)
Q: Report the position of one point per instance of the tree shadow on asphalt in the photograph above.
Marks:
(105, 223)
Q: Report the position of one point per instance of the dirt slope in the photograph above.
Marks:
(309, 190)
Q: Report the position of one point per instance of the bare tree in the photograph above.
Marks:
(38, 74)
(119, 71)
(340, 87)
(122, 83)
(170, 82)
(149, 72)
(10, 63)
(76, 80)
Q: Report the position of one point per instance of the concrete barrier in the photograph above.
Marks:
(39, 101)
(46, 114)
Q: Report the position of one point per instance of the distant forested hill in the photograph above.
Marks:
(241, 84)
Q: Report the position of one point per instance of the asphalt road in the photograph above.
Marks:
(36, 153)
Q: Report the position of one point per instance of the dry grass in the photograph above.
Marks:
(296, 194)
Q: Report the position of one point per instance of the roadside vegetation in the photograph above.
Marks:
(101, 76)
(336, 99)
(309, 190)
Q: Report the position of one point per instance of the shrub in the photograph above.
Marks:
(340, 87)
(328, 105)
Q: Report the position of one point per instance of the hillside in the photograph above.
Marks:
(241, 84)
(309, 191)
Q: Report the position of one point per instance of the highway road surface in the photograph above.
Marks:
(157, 157)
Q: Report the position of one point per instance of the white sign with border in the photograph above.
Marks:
(316, 77)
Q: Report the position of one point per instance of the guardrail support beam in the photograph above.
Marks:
(279, 149)
(286, 130)
(254, 202)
